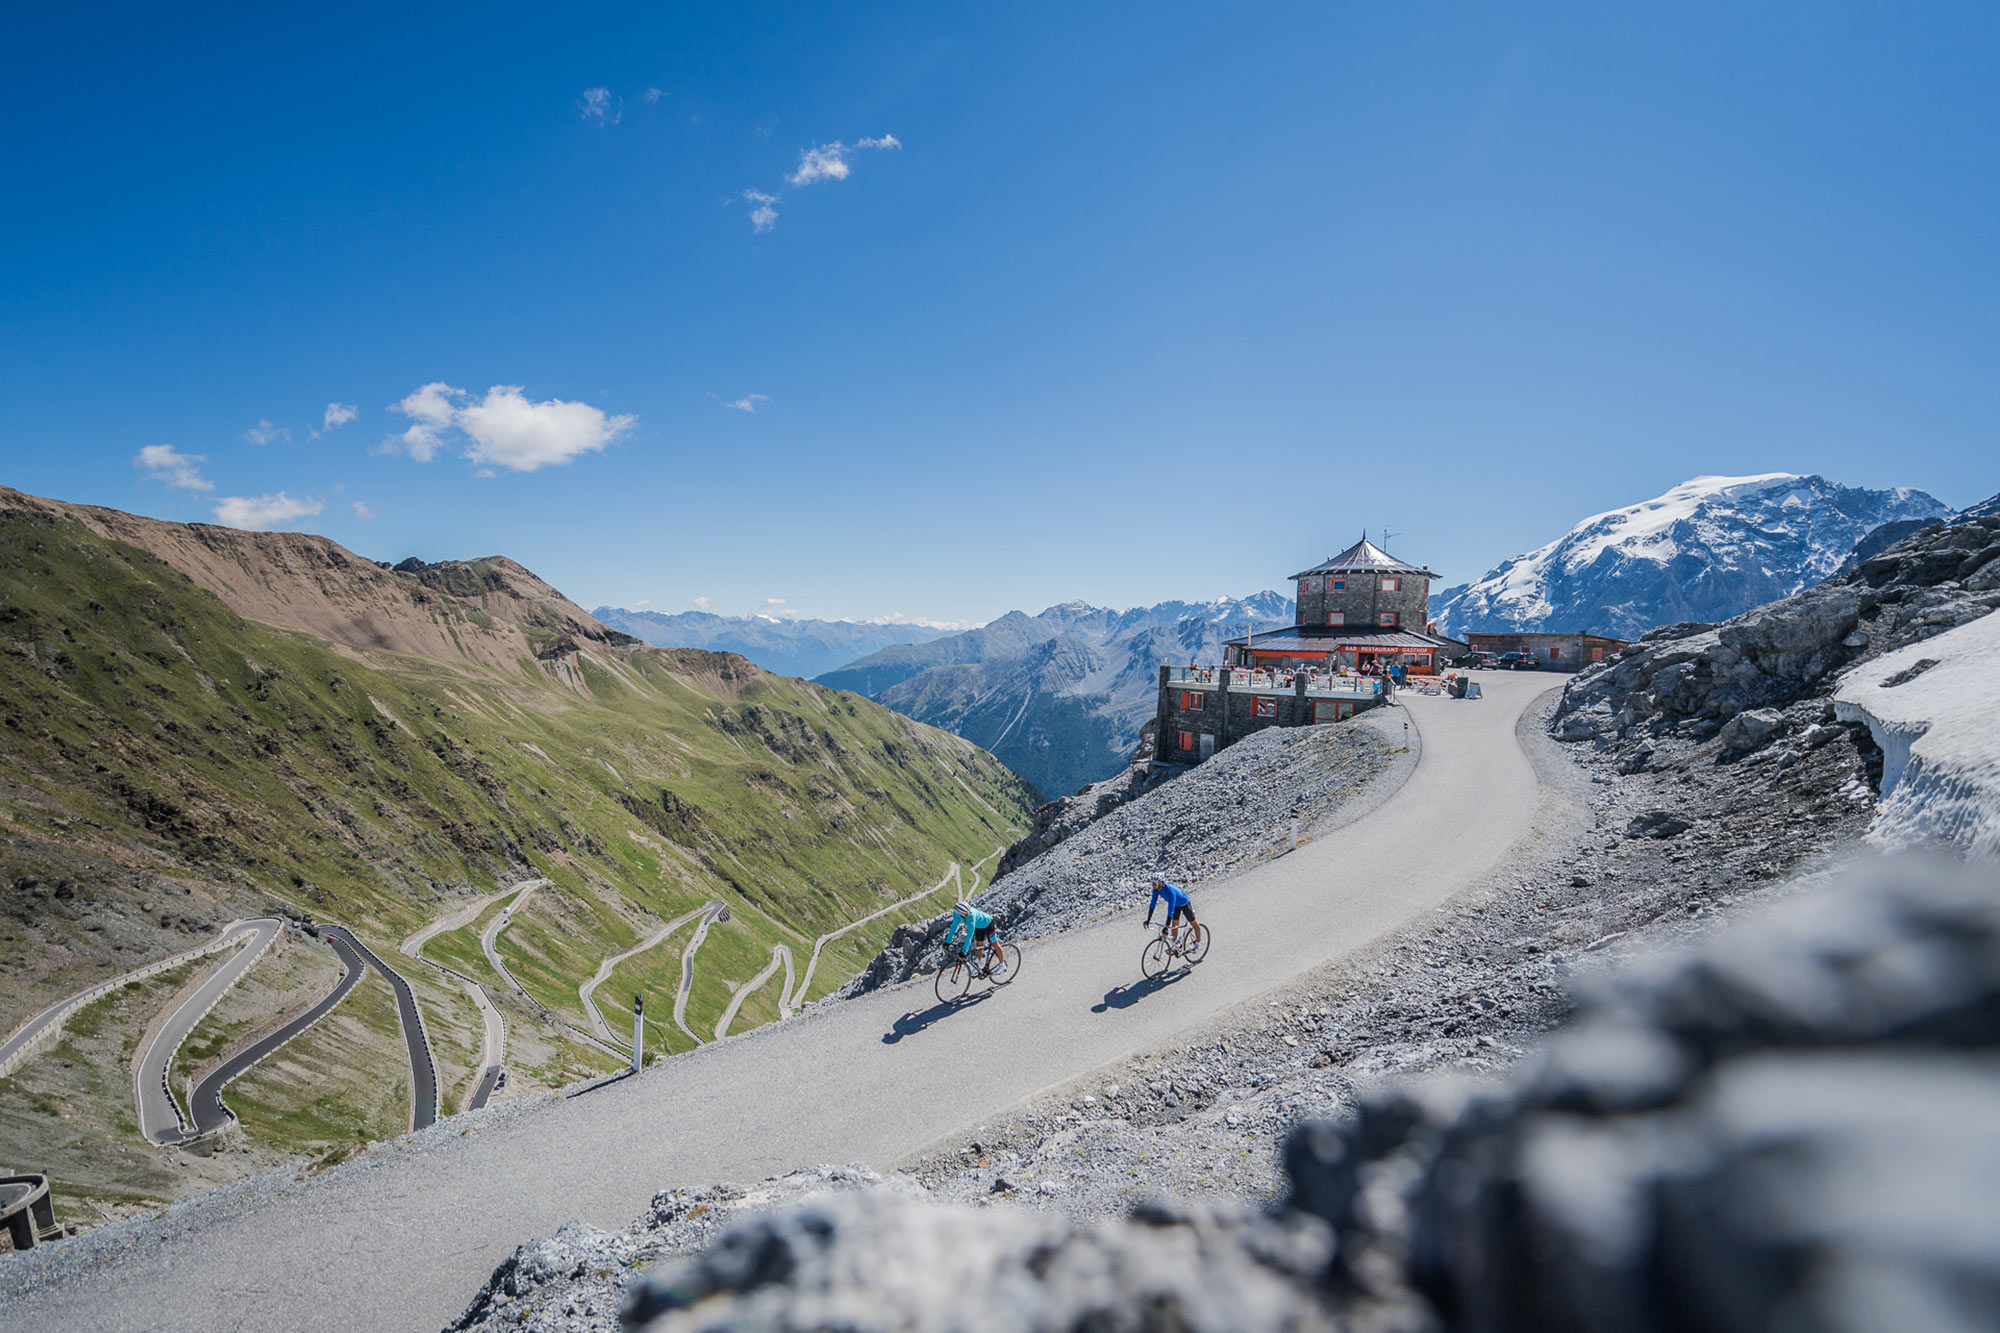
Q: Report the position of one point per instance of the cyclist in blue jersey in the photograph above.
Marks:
(979, 929)
(1176, 900)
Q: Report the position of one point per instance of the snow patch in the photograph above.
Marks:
(1940, 744)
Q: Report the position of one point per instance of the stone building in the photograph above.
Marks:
(1553, 652)
(1363, 607)
(1203, 709)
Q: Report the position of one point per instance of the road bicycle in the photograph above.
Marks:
(1175, 941)
(996, 964)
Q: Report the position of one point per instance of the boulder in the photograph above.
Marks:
(1750, 729)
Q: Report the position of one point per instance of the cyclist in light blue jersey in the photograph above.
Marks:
(978, 927)
(1178, 904)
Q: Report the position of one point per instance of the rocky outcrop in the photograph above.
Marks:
(1787, 1128)
(1693, 680)
(1059, 820)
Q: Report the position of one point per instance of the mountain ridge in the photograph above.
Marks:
(800, 646)
(1706, 550)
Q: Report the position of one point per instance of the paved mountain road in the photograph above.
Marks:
(423, 1065)
(205, 1102)
(402, 1236)
(160, 1119)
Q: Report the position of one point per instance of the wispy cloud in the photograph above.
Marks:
(265, 433)
(261, 513)
(504, 429)
(643, 601)
(821, 162)
(834, 161)
(338, 415)
(700, 603)
(599, 105)
(361, 511)
(747, 403)
(653, 94)
(763, 213)
(164, 463)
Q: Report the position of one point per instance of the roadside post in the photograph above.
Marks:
(638, 1031)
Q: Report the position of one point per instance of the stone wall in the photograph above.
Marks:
(1362, 600)
(1231, 714)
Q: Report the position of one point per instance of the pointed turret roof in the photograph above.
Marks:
(1365, 557)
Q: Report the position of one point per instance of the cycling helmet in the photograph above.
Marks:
(962, 907)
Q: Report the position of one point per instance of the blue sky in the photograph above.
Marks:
(1142, 301)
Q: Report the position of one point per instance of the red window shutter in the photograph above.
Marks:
(1555, 652)
(1187, 740)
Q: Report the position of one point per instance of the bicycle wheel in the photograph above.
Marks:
(1006, 964)
(1154, 961)
(954, 979)
(1197, 947)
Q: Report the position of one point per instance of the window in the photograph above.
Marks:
(1191, 700)
(1555, 652)
(1336, 617)
(1264, 705)
(1185, 740)
(1597, 654)
(1392, 584)
(1339, 585)
(1386, 618)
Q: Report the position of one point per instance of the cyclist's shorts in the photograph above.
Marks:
(1184, 910)
(984, 933)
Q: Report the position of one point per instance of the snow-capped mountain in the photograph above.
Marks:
(1057, 697)
(789, 647)
(1708, 549)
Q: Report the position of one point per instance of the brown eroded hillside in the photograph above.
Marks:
(492, 611)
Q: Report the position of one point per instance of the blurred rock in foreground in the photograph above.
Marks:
(1792, 1128)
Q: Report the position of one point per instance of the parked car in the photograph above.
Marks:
(1516, 662)
(1476, 661)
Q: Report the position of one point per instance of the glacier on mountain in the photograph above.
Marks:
(1709, 549)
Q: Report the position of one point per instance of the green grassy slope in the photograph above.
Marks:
(169, 764)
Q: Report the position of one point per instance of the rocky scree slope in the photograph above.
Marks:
(1766, 677)
(1782, 1127)
(1059, 697)
(1706, 550)
(1206, 823)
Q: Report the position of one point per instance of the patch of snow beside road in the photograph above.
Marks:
(1932, 708)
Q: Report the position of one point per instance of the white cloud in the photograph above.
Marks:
(431, 411)
(747, 403)
(831, 161)
(643, 601)
(261, 513)
(362, 511)
(599, 105)
(827, 162)
(654, 94)
(265, 433)
(763, 216)
(510, 431)
(339, 414)
(163, 462)
(700, 603)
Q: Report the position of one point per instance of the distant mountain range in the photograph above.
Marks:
(788, 647)
(1057, 697)
(1709, 549)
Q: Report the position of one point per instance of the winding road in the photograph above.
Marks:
(160, 1118)
(44, 1028)
(423, 1065)
(587, 992)
(403, 1237)
(205, 1102)
(493, 1040)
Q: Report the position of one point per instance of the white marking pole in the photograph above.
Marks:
(638, 1031)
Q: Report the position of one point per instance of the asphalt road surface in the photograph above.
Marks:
(402, 1237)
(205, 1102)
(423, 1070)
(35, 1026)
(159, 1118)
